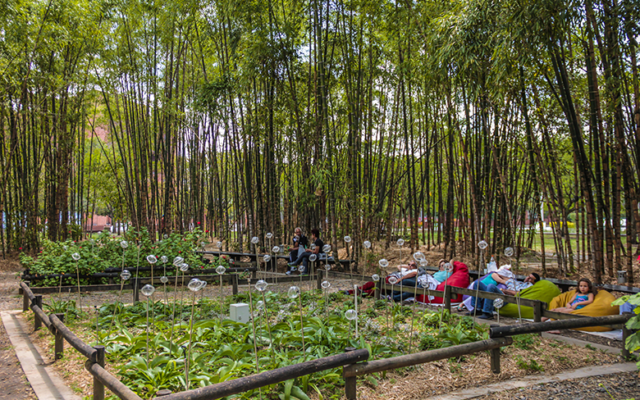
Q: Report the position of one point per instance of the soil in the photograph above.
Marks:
(624, 385)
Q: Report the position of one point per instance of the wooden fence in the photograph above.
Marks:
(500, 336)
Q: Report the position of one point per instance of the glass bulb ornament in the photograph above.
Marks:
(221, 269)
(498, 303)
(184, 267)
(219, 245)
(276, 249)
(75, 256)
(482, 244)
(508, 252)
(383, 263)
(125, 275)
(400, 242)
(255, 240)
(92, 241)
(418, 256)
(165, 236)
(164, 279)
(269, 235)
(195, 284)
(151, 259)
(350, 314)
(294, 269)
(203, 284)
(202, 244)
(260, 305)
(261, 285)
(367, 244)
(164, 259)
(326, 248)
(313, 257)
(313, 246)
(325, 284)
(347, 239)
(375, 277)
(327, 267)
(266, 258)
(448, 267)
(424, 262)
(393, 280)
(293, 292)
(147, 290)
(178, 261)
(124, 244)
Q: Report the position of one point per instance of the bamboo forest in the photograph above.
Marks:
(319, 199)
(441, 122)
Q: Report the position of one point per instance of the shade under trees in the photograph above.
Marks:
(446, 122)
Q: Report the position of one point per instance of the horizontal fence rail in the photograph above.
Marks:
(564, 283)
(115, 272)
(110, 382)
(424, 357)
(95, 355)
(269, 377)
(537, 327)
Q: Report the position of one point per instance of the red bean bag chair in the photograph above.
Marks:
(459, 278)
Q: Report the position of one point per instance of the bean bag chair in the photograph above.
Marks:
(601, 307)
(459, 278)
(543, 291)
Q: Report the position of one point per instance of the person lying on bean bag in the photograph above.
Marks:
(459, 278)
(600, 307)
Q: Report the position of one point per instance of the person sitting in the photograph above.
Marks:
(583, 297)
(304, 257)
(300, 243)
(489, 284)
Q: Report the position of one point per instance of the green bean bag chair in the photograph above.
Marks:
(543, 291)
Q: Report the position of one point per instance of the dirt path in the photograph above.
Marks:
(13, 383)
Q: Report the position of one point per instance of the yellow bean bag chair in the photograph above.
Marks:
(543, 291)
(601, 307)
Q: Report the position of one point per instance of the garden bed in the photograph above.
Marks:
(226, 352)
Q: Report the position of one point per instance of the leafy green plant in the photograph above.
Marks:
(531, 365)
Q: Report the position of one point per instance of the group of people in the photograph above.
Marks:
(501, 281)
(300, 252)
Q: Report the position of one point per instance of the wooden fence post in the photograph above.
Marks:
(98, 387)
(234, 283)
(447, 298)
(136, 290)
(37, 323)
(625, 334)
(495, 358)
(319, 279)
(25, 299)
(350, 382)
(59, 343)
(538, 309)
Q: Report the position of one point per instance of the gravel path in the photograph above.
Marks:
(620, 386)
